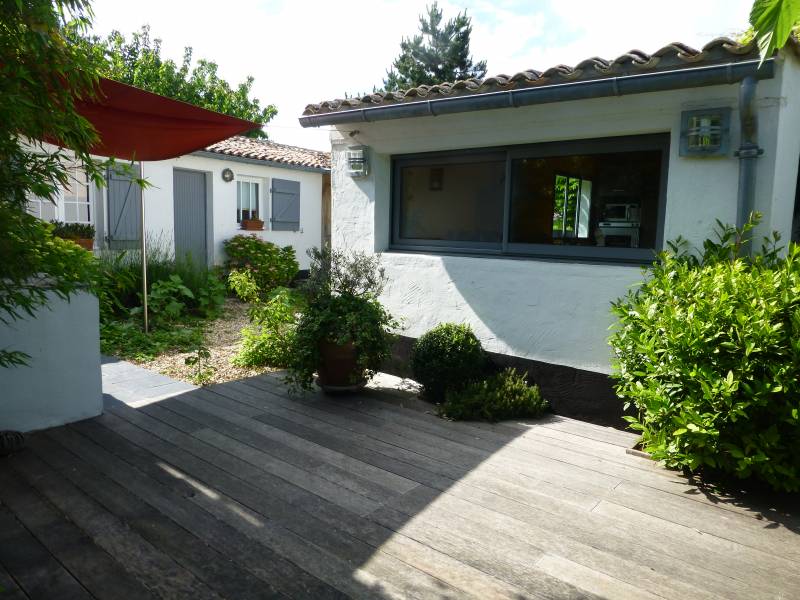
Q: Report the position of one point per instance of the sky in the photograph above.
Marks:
(307, 51)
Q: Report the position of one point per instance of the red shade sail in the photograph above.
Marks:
(134, 124)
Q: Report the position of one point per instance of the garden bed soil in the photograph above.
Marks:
(223, 336)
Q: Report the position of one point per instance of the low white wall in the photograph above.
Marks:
(160, 211)
(62, 381)
(557, 311)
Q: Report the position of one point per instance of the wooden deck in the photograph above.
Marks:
(236, 491)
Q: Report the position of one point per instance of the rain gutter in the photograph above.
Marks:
(692, 77)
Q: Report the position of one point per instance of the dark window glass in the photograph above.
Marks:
(459, 202)
(586, 200)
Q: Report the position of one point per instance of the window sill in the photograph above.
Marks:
(640, 258)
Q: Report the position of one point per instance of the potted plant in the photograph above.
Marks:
(253, 224)
(80, 233)
(344, 333)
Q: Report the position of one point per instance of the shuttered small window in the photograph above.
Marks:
(246, 200)
(285, 205)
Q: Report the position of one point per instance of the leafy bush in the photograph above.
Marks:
(445, 358)
(707, 350)
(269, 339)
(270, 265)
(167, 300)
(121, 273)
(73, 231)
(504, 395)
(35, 264)
(341, 307)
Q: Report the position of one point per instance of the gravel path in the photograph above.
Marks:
(222, 340)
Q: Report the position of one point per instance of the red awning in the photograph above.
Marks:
(137, 125)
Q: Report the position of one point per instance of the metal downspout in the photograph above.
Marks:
(748, 151)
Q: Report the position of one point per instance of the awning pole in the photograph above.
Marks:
(144, 254)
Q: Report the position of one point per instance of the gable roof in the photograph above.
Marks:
(673, 57)
(272, 152)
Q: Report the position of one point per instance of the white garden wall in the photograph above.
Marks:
(61, 382)
(159, 202)
(547, 310)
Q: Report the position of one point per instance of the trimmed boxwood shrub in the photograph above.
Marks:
(271, 266)
(446, 358)
(708, 351)
(504, 395)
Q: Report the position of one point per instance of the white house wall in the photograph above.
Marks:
(553, 311)
(61, 382)
(160, 212)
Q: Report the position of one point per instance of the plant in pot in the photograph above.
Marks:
(345, 333)
(80, 233)
(252, 224)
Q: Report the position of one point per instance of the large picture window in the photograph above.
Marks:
(597, 199)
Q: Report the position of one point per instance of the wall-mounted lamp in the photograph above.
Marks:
(705, 132)
(227, 175)
(357, 161)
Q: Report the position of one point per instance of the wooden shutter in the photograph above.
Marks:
(124, 209)
(285, 205)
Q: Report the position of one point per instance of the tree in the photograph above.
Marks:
(138, 62)
(773, 21)
(41, 75)
(437, 54)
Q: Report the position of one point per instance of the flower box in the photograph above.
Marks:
(253, 224)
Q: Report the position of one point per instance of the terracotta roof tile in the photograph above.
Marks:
(670, 57)
(266, 150)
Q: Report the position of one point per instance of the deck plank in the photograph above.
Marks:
(32, 566)
(238, 490)
(152, 567)
(100, 574)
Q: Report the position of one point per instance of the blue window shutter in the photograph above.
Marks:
(285, 205)
(124, 209)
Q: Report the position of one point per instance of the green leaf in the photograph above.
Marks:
(772, 22)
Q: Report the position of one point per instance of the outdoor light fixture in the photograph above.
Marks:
(705, 132)
(227, 175)
(357, 163)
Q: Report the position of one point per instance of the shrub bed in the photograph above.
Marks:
(271, 266)
(504, 395)
(708, 351)
(447, 357)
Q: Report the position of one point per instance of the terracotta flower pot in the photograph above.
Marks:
(85, 243)
(339, 370)
(252, 224)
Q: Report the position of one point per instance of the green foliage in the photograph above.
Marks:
(138, 62)
(447, 357)
(202, 371)
(504, 395)
(126, 339)
(168, 300)
(268, 341)
(73, 231)
(341, 307)
(41, 76)
(121, 286)
(773, 21)
(439, 53)
(269, 266)
(36, 264)
(707, 350)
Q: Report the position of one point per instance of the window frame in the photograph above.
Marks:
(60, 201)
(606, 145)
(260, 182)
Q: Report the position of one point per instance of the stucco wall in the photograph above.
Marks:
(61, 382)
(553, 311)
(160, 212)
